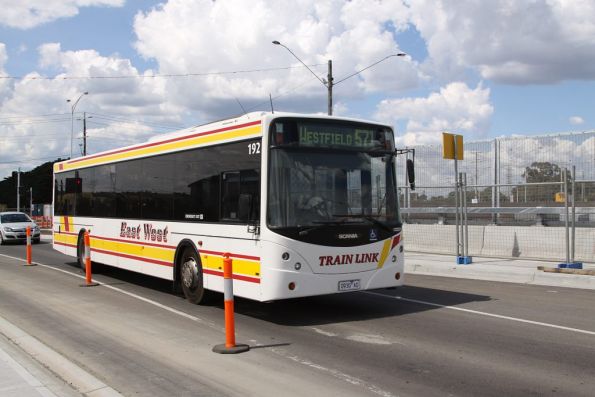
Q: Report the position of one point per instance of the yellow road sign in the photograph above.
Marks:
(448, 146)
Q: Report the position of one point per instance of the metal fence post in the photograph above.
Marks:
(494, 219)
(573, 176)
(566, 235)
(457, 199)
(465, 215)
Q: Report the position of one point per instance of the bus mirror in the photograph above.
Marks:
(244, 207)
(411, 173)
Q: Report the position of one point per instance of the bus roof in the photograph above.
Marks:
(242, 127)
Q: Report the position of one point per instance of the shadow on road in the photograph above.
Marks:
(356, 306)
(318, 310)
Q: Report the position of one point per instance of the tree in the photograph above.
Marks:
(543, 172)
(40, 179)
(539, 172)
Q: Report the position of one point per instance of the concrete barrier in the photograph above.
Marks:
(527, 242)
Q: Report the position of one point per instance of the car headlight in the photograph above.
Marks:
(36, 228)
(7, 229)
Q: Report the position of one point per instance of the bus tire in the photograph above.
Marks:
(191, 277)
(80, 256)
(80, 251)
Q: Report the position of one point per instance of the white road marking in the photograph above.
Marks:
(520, 320)
(323, 332)
(370, 339)
(338, 374)
(132, 295)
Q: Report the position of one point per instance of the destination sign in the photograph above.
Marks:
(331, 134)
(317, 136)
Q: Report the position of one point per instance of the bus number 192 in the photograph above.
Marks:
(254, 148)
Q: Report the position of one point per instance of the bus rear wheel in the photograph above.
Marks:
(191, 278)
(80, 257)
(80, 252)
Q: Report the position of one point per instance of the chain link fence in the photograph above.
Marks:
(515, 196)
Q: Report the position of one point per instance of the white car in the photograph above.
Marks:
(13, 227)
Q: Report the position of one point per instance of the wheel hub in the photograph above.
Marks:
(189, 273)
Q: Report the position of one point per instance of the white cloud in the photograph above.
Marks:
(576, 120)
(456, 108)
(4, 83)
(189, 36)
(36, 138)
(26, 14)
(516, 42)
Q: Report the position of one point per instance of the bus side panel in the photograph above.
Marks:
(149, 247)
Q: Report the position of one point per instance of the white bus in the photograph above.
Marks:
(303, 204)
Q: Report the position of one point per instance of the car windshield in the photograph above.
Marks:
(14, 218)
(309, 188)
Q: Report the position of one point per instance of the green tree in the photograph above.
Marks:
(39, 178)
(541, 171)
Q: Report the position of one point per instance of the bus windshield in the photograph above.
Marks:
(325, 181)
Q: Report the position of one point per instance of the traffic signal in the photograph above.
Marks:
(74, 185)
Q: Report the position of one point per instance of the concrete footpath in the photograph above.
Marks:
(22, 376)
(497, 269)
(25, 366)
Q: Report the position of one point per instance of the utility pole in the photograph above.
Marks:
(19, 189)
(31, 201)
(84, 133)
(329, 84)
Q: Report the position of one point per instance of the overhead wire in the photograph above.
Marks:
(155, 75)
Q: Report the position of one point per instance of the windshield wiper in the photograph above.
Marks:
(378, 223)
(321, 224)
(368, 218)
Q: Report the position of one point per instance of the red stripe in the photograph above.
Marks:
(235, 276)
(138, 258)
(206, 271)
(163, 142)
(64, 244)
(66, 224)
(396, 240)
(239, 256)
(134, 242)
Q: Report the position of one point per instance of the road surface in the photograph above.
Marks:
(436, 336)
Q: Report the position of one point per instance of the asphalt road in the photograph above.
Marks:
(435, 336)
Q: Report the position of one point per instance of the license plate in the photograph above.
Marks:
(349, 285)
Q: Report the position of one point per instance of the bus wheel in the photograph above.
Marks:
(191, 276)
(80, 257)
(80, 252)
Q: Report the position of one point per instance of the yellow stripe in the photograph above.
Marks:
(166, 147)
(385, 251)
(240, 266)
(65, 238)
(149, 252)
(212, 262)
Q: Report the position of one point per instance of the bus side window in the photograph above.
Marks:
(239, 195)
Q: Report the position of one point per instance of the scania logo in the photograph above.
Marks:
(347, 236)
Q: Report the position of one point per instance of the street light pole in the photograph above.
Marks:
(84, 134)
(329, 82)
(330, 85)
(72, 118)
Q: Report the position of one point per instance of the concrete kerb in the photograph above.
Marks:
(490, 269)
(71, 373)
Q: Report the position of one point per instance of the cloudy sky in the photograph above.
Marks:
(479, 68)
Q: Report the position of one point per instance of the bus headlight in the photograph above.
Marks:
(297, 266)
(285, 256)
